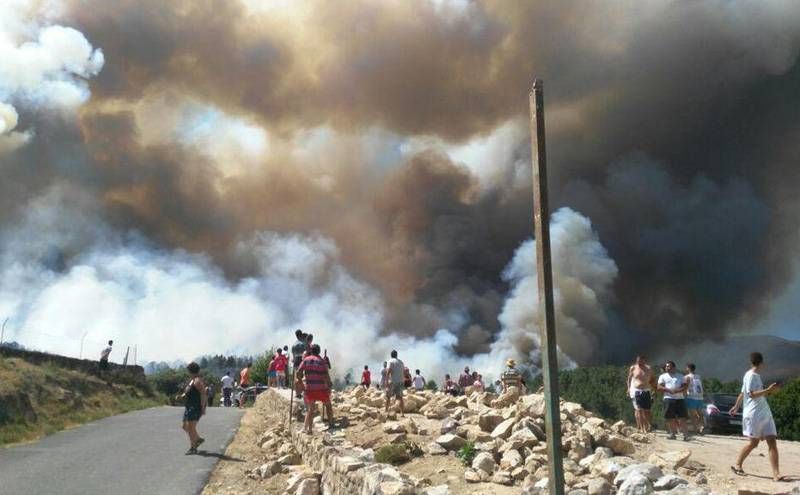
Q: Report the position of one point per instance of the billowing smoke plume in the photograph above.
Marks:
(43, 67)
(388, 142)
(172, 304)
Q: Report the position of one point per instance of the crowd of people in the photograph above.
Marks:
(683, 403)
(682, 393)
(683, 396)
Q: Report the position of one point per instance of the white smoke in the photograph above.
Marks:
(42, 66)
(80, 282)
(583, 275)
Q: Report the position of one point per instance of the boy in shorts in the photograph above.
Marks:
(694, 397)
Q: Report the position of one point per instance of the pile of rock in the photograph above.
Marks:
(510, 448)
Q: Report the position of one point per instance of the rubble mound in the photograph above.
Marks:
(498, 442)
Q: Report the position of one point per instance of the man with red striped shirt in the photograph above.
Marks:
(316, 385)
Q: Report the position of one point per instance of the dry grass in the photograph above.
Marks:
(36, 400)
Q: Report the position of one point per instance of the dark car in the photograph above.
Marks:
(242, 397)
(717, 416)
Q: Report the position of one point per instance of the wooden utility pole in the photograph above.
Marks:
(541, 219)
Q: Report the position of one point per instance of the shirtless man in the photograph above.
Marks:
(641, 382)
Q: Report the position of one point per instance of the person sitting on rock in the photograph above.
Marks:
(477, 385)
(512, 385)
(465, 379)
(450, 387)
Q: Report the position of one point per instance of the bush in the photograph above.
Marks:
(467, 453)
(171, 382)
(393, 454)
(431, 385)
(258, 373)
(602, 391)
(785, 407)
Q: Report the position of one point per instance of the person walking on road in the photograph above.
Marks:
(757, 421)
(316, 386)
(210, 394)
(226, 382)
(673, 385)
(396, 382)
(694, 398)
(195, 395)
(641, 381)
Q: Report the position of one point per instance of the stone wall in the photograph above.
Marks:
(130, 375)
(343, 468)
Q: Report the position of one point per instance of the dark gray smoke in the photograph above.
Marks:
(398, 131)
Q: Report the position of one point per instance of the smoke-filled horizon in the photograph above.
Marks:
(202, 177)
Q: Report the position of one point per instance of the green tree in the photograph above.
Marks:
(171, 382)
(431, 385)
(785, 407)
(258, 373)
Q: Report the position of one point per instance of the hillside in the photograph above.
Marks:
(39, 398)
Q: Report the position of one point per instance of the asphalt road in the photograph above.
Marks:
(140, 452)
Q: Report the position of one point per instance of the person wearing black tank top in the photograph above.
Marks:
(195, 397)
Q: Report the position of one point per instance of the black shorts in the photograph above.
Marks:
(642, 400)
(675, 409)
(103, 365)
(191, 414)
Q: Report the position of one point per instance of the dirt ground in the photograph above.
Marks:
(448, 470)
(231, 476)
(719, 452)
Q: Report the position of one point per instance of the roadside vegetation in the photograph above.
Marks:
(40, 399)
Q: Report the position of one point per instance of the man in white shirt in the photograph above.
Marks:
(757, 422)
(418, 382)
(227, 388)
(395, 373)
(673, 386)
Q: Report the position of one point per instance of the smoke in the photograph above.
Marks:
(44, 67)
(583, 280)
(377, 153)
(173, 304)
